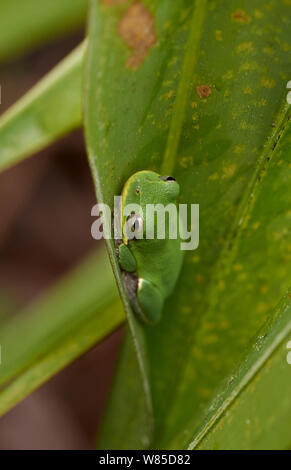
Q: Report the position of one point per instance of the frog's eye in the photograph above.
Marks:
(167, 178)
(134, 226)
(138, 225)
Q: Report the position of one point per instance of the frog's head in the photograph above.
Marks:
(146, 187)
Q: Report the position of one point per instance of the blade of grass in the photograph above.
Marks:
(80, 340)
(48, 111)
(29, 23)
(77, 300)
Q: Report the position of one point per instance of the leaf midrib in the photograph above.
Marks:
(189, 63)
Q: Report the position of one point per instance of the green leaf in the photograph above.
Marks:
(213, 112)
(73, 316)
(25, 25)
(253, 409)
(135, 414)
(50, 110)
(108, 169)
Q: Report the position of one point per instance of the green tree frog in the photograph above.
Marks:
(150, 266)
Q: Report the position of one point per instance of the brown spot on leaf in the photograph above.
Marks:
(241, 17)
(112, 2)
(203, 91)
(137, 29)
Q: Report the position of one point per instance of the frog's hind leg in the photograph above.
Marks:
(150, 300)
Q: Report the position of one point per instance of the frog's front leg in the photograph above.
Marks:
(126, 259)
(150, 300)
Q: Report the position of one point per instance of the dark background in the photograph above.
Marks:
(45, 206)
